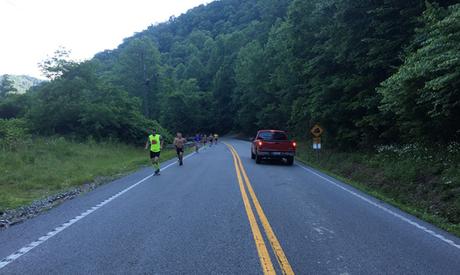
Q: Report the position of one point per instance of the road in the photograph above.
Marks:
(221, 213)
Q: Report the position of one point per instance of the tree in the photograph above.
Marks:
(137, 71)
(423, 93)
(81, 104)
(14, 106)
(6, 86)
(57, 65)
(370, 72)
(250, 77)
(184, 109)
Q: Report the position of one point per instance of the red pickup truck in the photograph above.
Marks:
(273, 144)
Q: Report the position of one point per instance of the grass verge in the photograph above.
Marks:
(48, 166)
(421, 182)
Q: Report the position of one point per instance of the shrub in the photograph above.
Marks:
(13, 132)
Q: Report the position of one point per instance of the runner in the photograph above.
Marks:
(156, 144)
(216, 138)
(179, 143)
(210, 139)
(197, 143)
(204, 139)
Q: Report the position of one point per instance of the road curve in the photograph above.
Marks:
(223, 214)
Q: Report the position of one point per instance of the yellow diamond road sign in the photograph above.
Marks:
(317, 131)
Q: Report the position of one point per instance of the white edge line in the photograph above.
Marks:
(423, 228)
(21, 252)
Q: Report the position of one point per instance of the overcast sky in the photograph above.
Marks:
(31, 30)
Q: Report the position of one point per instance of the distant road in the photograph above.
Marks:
(223, 214)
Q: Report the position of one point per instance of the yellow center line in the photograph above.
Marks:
(275, 244)
(264, 256)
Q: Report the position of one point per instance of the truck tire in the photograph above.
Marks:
(290, 160)
(252, 155)
(258, 159)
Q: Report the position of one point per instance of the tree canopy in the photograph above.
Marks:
(371, 72)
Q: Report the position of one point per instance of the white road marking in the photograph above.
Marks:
(11, 258)
(426, 230)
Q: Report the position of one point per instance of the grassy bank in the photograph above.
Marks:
(47, 166)
(421, 181)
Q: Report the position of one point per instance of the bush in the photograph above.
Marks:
(13, 132)
(14, 106)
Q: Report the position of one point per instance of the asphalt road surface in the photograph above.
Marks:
(221, 213)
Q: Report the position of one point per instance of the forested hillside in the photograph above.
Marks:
(371, 73)
(16, 84)
(359, 68)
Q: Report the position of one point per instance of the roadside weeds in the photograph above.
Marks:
(25, 197)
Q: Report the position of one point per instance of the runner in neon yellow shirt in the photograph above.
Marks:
(155, 142)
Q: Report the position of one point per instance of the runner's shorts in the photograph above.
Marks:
(154, 154)
(179, 150)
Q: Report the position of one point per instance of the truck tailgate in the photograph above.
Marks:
(281, 146)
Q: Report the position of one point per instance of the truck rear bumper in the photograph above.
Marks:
(275, 154)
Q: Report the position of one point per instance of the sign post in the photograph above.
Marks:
(317, 131)
(317, 143)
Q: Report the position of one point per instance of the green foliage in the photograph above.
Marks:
(58, 64)
(20, 83)
(14, 106)
(50, 165)
(423, 93)
(6, 86)
(329, 47)
(13, 133)
(250, 80)
(81, 104)
(185, 108)
(138, 73)
(165, 133)
(192, 61)
(371, 72)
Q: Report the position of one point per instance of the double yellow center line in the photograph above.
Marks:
(264, 256)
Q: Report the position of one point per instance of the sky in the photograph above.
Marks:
(31, 30)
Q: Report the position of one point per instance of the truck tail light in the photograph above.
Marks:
(259, 143)
(294, 144)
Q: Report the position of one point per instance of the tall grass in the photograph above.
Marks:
(48, 165)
